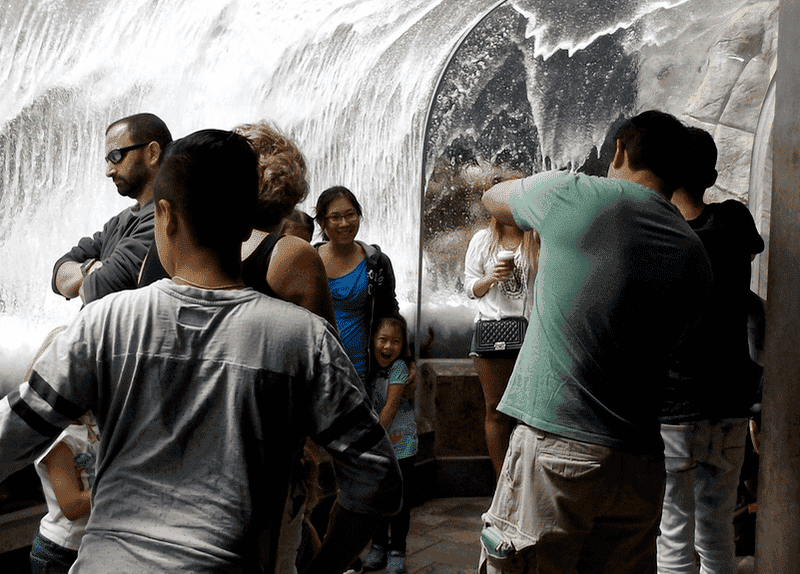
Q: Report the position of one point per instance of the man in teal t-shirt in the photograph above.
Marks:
(621, 278)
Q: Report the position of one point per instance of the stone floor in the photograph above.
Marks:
(443, 540)
(444, 537)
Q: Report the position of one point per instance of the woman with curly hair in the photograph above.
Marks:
(281, 266)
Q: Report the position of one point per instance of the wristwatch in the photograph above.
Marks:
(86, 265)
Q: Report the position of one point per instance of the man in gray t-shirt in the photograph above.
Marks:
(204, 391)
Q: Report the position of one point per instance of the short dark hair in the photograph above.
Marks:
(656, 141)
(301, 218)
(701, 164)
(211, 178)
(146, 128)
(329, 196)
(282, 173)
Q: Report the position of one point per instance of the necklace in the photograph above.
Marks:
(229, 286)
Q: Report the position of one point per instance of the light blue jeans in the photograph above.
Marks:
(703, 461)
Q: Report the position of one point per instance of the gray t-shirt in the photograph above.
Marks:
(202, 398)
(621, 277)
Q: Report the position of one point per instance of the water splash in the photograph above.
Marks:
(573, 25)
(349, 80)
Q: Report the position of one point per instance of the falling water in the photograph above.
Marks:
(349, 80)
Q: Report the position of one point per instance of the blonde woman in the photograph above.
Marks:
(503, 288)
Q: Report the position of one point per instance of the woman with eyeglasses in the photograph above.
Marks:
(361, 281)
(360, 276)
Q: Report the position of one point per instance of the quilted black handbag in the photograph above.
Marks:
(500, 335)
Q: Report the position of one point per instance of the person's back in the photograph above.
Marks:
(192, 411)
(711, 373)
(616, 269)
(583, 478)
(204, 391)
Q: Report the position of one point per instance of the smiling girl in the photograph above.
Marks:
(388, 377)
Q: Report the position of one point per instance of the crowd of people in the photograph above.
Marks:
(220, 356)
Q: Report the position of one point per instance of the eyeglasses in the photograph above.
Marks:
(349, 217)
(117, 155)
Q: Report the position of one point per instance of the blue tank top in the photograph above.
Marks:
(350, 301)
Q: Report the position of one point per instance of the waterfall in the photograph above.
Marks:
(349, 80)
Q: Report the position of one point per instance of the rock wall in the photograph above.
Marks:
(718, 78)
(729, 100)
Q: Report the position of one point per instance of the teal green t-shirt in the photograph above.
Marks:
(621, 277)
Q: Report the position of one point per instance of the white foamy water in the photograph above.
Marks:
(350, 81)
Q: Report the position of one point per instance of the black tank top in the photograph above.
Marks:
(254, 268)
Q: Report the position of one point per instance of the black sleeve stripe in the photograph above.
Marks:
(32, 419)
(342, 425)
(366, 442)
(61, 405)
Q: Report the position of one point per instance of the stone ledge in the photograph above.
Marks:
(452, 399)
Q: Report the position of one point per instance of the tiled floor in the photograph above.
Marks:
(444, 537)
(443, 540)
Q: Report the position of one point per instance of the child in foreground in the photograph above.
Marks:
(387, 381)
(66, 470)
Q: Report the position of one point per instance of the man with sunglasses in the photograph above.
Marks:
(109, 261)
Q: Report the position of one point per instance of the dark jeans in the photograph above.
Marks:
(400, 522)
(50, 558)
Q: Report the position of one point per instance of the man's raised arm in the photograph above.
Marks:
(497, 201)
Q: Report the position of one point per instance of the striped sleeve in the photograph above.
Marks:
(36, 413)
(347, 427)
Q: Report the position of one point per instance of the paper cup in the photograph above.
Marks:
(505, 255)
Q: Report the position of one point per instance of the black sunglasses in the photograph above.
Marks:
(117, 155)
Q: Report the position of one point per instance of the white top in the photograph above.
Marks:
(507, 299)
(55, 526)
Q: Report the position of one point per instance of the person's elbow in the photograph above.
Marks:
(376, 488)
(497, 201)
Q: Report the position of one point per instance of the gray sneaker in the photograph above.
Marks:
(396, 563)
(376, 558)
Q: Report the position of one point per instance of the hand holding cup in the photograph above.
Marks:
(504, 270)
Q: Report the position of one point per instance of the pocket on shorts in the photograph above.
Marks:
(735, 437)
(38, 565)
(570, 460)
(677, 464)
(569, 469)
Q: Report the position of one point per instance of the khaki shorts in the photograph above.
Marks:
(569, 506)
